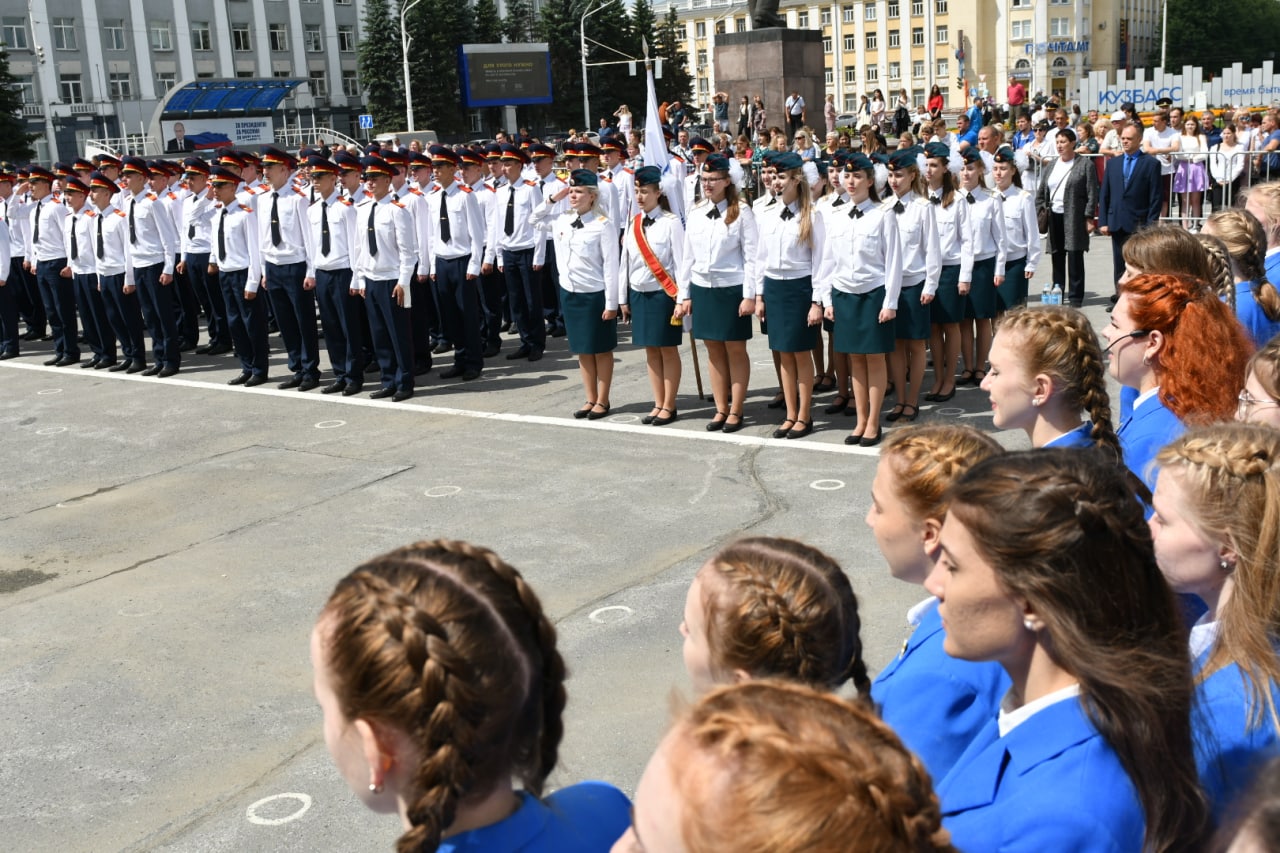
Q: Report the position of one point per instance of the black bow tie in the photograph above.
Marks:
(786, 214)
(855, 212)
(1000, 196)
(648, 220)
(899, 208)
(934, 199)
(577, 223)
(837, 202)
(713, 213)
(969, 198)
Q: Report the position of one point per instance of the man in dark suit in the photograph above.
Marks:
(179, 142)
(1130, 197)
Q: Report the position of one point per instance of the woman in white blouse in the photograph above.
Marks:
(986, 236)
(1226, 168)
(652, 252)
(587, 258)
(1192, 176)
(955, 246)
(1021, 232)
(716, 276)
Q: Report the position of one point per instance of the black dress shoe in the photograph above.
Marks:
(670, 416)
(452, 373)
(505, 327)
(942, 398)
(137, 367)
(334, 387)
(186, 347)
(153, 370)
(217, 350)
(535, 355)
(67, 361)
(784, 430)
(777, 402)
(291, 382)
(33, 335)
(371, 367)
(254, 381)
(557, 332)
(352, 390)
(872, 441)
(202, 350)
(104, 364)
(579, 414)
(241, 379)
(470, 375)
(382, 394)
(124, 365)
(595, 415)
(401, 396)
(733, 427)
(53, 362)
(167, 371)
(797, 432)
(523, 352)
(442, 348)
(491, 350)
(4, 356)
(309, 383)
(89, 365)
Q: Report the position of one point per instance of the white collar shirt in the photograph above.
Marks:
(665, 236)
(111, 236)
(522, 199)
(780, 254)
(45, 243)
(986, 226)
(717, 254)
(235, 232)
(918, 236)
(587, 256)
(153, 238)
(76, 235)
(341, 216)
(195, 224)
(861, 252)
(289, 205)
(397, 245)
(466, 226)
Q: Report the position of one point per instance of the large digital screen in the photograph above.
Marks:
(497, 75)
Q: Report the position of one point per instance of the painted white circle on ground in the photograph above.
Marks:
(252, 812)
(625, 419)
(47, 391)
(612, 613)
(827, 485)
(950, 410)
(51, 430)
(442, 491)
(330, 424)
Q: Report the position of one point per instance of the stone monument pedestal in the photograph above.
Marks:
(773, 63)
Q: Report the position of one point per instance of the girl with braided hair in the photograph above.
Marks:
(1048, 569)
(1047, 367)
(934, 702)
(439, 679)
(1222, 278)
(1216, 530)
(772, 608)
(1257, 302)
(1259, 401)
(777, 767)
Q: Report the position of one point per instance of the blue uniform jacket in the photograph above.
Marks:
(1257, 324)
(1228, 753)
(584, 818)
(1053, 783)
(1149, 428)
(937, 703)
(1081, 436)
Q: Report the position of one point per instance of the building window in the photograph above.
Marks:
(64, 34)
(940, 7)
(848, 14)
(351, 84)
(895, 38)
(917, 8)
(279, 72)
(828, 77)
(893, 10)
(319, 83)
(942, 69)
(312, 38)
(917, 98)
(704, 86)
(739, 25)
(113, 37)
(825, 17)
(201, 39)
(1020, 4)
(241, 38)
(700, 29)
(165, 80)
(1060, 2)
(346, 38)
(702, 58)
(1021, 29)
(161, 35)
(873, 73)
(121, 86)
(1022, 64)
(872, 40)
(826, 44)
(244, 73)
(941, 36)
(70, 89)
(850, 76)
(720, 30)
(26, 89)
(869, 11)
(344, 2)
(917, 36)
(850, 103)
(895, 70)
(278, 37)
(14, 33)
(802, 20)
(917, 69)
(1059, 27)
(850, 43)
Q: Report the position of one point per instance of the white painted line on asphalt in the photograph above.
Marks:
(51, 430)
(330, 424)
(251, 813)
(442, 491)
(50, 391)
(612, 613)
(827, 485)
(512, 417)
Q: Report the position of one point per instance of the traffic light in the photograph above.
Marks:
(960, 83)
(40, 53)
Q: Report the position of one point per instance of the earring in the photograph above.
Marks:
(374, 788)
(1037, 401)
(1029, 624)
(1225, 566)
(1146, 361)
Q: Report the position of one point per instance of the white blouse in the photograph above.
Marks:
(861, 252)
(918, 239)
(666, 238)
(1021, 231)
(986, 226)
(955, 242)
(716, 254)
(587, 257)
(780, 254)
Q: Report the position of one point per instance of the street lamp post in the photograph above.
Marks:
(405, 41)
(582, 34)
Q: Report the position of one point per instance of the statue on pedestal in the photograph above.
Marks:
(764, 14)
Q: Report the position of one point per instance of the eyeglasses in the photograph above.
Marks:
(711, 179)
(1248, 403)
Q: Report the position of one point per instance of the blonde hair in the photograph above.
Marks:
(768, 766)
(1265, 365)
(928, 459)
(1222, 278)
(805, 198)
(1268, 201)
(1246, 241)
(1167, 249)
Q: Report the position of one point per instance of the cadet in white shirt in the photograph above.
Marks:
(83, 272)
(519, 251)
(543, 158)
(154, 243)
(424, 317)
(236, 258)
(46, 257)
(171, 198)
(332, 221)
(493, 286)
(195, 230)
(1021, 231)
(955, 245)
(15, 204)
(386, 254)
(986, 236)
(456, 235)
(114, 260)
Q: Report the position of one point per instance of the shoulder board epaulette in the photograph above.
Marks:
(628, 170)
(677, 157)
(435, 188)
(607, 178)
(346, 201)
(91, 213)
(122, 214)
(491, 188)
(415, 190)
(399, 205)
(172, 195)
(297, 190)
(251, 190)
(151, 196)
(246, 207)
(464, 188)
(529, 183)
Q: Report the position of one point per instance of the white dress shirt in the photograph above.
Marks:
(341, 214)
(416, 203)
(195, 224)
(861, 253)
(955, 243)
(238, 228)
(397, 254)
(50, 246)
(779, 252)
(112, 224)
(717, 254)
(1021, 231)
(290, 205)
(524, 197)
(665, 236)
(587, 256)
(986, 226)
(77, 222)
(157, 239)
(466, 226)
(918, 236)
(16, 213)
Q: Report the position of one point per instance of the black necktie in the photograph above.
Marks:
(35, 234)
(275, 219)
(509, 227)
(577, 222)
(855, 212)
(222, 236)
(75, 242)
(446, 232)
(324, 228)
(133, 231)
(969, 198)
(373, 235)
(899, 208)
(697, 188)
(648, 220)
(101, 247)
(713, 213)
(786, 214)
(191, 230)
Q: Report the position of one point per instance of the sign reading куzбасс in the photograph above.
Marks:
(1143, 87)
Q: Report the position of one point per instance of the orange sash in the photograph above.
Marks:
(655, 266)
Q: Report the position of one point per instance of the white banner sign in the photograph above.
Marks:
(1143, 87)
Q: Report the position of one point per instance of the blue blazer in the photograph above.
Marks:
(584, 818)
(1149, 428)
(1257, 324)
(1228, 752)
(1128, 208)
(937, 703)
(1053, 783)
(1081, 436)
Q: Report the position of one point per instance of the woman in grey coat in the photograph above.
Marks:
(1069, 191)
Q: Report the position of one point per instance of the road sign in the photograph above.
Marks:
(366, 122)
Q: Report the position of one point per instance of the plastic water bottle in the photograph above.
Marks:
(1057, 294)
(1046, 295)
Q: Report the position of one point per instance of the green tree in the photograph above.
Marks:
(381, 67)
(488, 22)
(612, 39)
(558, 27)
(15, 142)
(676, 83)
(438, 27)
(1244, 31)
(520, 23)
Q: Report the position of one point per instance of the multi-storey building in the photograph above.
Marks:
(893, 45)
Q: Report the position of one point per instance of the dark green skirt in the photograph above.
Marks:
(786, 304)
(858, 329)
(947, 305)
(651, 320)
(715, 314)
(980, 304)
(1013, 292)
(912, 322)
(588, 334)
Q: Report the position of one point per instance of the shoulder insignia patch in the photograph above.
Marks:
(346, 201)
(122, 214)
(399, 205)
(464, 188)
(246, 208)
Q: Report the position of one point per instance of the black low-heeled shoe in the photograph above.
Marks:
(896, 413)
(796, 432)
(593, 415)
(966, 378)
(648, 419)
(784, 430)
(777, 402)
(942, 398)
(728, 427)
(838, 405)
(716, 425)
(584, 412)
(873, 441)
(672, 415)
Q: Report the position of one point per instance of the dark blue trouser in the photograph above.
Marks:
(246, 321)
(187, 305)
(551, 289)
(424, 319)
(392, 335)
(124, 316)
(27, 296)
(493, 297)
(295, 309)
(209, 294)
(524, 288)
(9, 334)
(343, 325)
(93, 318)
(459, 301)
(159, 313)
(58, 295)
